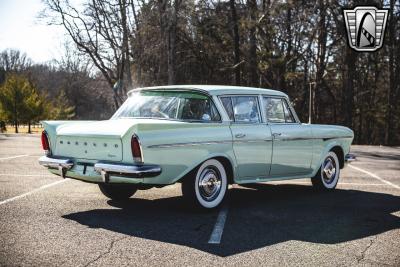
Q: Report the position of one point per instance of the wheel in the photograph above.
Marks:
(118, 191)
(208, 188)
(327, 176)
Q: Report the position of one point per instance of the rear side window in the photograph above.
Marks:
(277, 110)
(243, 109)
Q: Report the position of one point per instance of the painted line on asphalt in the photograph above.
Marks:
(218, 230)
(375, 176)
(14, 157)
(309, 183)
(33, 191)
(27, 175)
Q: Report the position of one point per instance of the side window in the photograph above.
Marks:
(288, 114)
(227, 103)
(199, 110)
(245, 109)
(277, 110)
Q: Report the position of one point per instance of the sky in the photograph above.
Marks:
(21, 29)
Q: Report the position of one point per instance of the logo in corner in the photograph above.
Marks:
(365, 27)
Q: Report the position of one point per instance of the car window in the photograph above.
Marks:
(188, 106)
(227, 103)
(288, 114)
(277, 110)
(245, 109)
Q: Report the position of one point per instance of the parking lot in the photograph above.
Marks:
(46, 220)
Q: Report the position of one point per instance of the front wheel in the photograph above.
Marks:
(208, 188)
(327, 176)
(118, 192)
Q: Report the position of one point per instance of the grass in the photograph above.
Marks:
(23, 129)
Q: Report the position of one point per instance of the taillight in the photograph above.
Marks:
(45, 142)
(136, 150)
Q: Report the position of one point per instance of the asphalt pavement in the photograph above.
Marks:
(47, 221)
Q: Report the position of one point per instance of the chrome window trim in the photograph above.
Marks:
(296, 118)
(261, 120)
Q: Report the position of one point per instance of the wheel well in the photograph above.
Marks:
(340, 154)
(225, 162)
(228, 168)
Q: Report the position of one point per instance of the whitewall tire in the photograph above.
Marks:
(327, 176)
(208, 188)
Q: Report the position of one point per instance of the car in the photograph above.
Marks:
(204, 137)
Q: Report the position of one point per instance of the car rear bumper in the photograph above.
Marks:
(105, 169)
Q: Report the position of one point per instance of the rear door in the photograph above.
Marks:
(292, 141)
(252, 143)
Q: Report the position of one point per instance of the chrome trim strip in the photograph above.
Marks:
(310, 138)
(208, 143)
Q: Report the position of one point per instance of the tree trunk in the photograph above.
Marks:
(125, 75)
(236, 41)
(254, 81)
(29, 127)
(390, 122)
(348, 86)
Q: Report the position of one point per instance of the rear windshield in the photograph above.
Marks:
(175, 105)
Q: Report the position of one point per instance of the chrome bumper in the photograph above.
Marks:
(349, 158)
(125, 170)
(62, 164)
(104, 168)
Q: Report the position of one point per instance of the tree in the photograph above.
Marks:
(61, 110)
(19, 101)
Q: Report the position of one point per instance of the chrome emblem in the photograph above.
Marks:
(365, 27)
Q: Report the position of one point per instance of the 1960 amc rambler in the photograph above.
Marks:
(204, 137)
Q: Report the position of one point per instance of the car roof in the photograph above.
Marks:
(216, 89)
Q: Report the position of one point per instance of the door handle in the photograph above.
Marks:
(275, 135)
(240, 135)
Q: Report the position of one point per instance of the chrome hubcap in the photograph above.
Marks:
(210, 183)
(329, 170)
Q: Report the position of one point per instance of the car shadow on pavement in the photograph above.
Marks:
(259, 215)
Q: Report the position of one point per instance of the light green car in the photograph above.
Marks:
(204, 137)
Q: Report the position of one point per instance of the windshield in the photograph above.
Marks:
(175, 105)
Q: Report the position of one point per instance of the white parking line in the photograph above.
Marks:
(14, 157)
(27, 175)
(309, 183)
(216, 234)
(375, 176)
(33, 191)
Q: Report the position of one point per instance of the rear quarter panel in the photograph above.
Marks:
(178, 147)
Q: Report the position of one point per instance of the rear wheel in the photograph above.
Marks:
(327, 176)
(118, 191)
(208, 188)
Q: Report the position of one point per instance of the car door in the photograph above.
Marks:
(292, 141)
(252, 144)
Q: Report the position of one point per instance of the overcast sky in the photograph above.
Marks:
(20, 29)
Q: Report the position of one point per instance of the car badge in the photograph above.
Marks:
(365, 27)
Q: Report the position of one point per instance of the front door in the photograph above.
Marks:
(252, 144)
(292, 141)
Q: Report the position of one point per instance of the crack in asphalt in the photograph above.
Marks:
(371, 242)
(110, 247)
